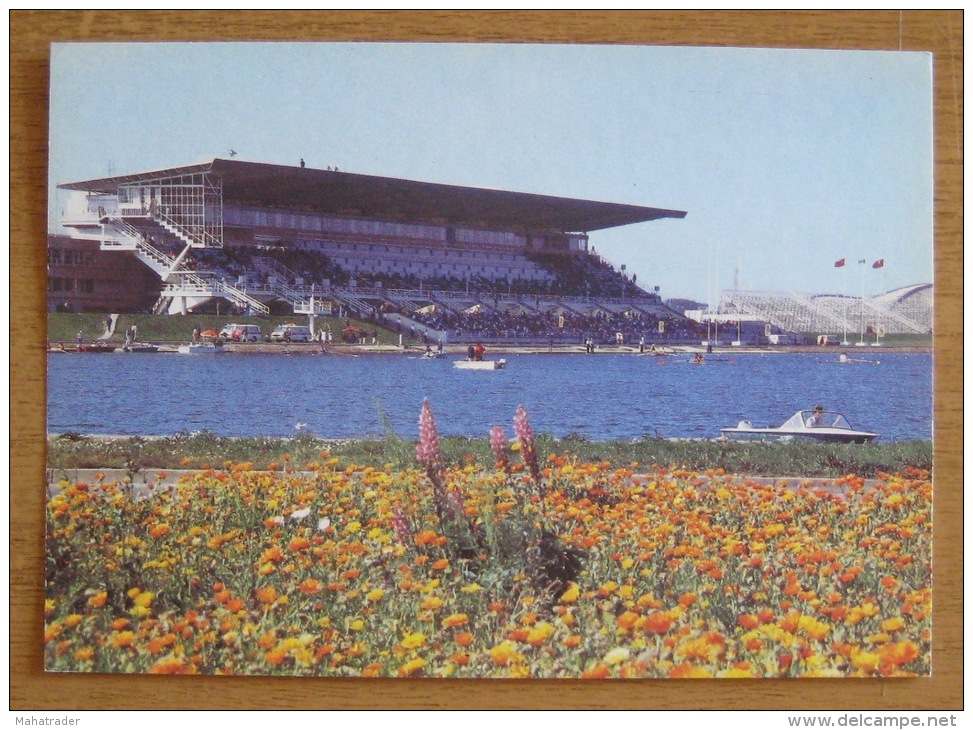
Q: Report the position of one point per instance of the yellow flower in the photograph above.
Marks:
(144, 599)
(412, 667)
(571, 594)
(616, 656)
(413, 640)
(540, 633)
(356, 625)
(375, 595)
(471, 588)
(896, 623)
(455, 619)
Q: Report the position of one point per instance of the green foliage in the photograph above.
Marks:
(202, 449)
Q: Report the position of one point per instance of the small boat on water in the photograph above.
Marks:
(140, 348)
(480, 364)
(94, 347)
(202, 348)
(813, 425)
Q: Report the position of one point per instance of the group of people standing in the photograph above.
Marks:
(475, 352)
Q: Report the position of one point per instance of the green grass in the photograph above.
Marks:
(202, 450)
(64, 326)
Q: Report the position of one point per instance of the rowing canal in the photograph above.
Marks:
(603, 396)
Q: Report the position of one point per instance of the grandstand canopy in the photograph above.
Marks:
(383, 198)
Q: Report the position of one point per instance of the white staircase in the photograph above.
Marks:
(182, 289)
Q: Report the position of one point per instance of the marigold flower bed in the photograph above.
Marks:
(557, 569)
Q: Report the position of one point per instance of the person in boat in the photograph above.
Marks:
(697, 359)
(470, 352)
(478, 351)
(817, 418)
(428, 351)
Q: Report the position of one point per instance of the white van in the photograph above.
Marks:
(291, 333)
(241, 333)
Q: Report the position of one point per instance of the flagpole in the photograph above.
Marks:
(861, 341)
(844, 291)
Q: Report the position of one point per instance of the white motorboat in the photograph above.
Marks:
(140, 347)
(202, 348)
(480, 364)
(813, 425)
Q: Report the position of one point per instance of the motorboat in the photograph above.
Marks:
(140, 348)
(813, 425)
(202, 348)
(480, 364)
(95, 348)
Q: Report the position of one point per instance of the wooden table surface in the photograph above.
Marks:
(31, 32)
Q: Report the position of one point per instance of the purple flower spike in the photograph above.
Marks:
(528, 445)
(498, 442)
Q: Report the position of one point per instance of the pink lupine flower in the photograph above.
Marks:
(401, 525)
(457, 504)
(428, 451)
(528, 445)
(498, 442)
(430, 455)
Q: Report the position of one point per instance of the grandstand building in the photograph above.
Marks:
(441, 259)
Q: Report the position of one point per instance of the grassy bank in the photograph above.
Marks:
(64, 326)
(204, 450)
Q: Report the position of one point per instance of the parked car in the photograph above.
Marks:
(241, 333)
(291, 333)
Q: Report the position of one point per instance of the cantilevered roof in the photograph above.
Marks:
(385, 198)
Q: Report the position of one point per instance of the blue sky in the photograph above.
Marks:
(785, 161)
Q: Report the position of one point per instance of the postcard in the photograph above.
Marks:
(489, 361)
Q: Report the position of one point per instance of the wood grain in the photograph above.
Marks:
(31, 32)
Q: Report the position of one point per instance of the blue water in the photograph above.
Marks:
(600, 396)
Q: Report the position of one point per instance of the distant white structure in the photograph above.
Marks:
(906, 310)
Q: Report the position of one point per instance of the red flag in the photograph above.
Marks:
(878, 264)
(839, 263)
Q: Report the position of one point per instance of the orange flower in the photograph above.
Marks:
(267, 594)
(172, 666)
(98, 600)
(503, 653)
(659, 622)
(84, 654)
(572, 641)
(299, 543)
(123, 639)
(440, 564)
(898, 653)
(272, 555)
(309, 586)
(455, 619)
(689, 671)
(426, 537)
(748, 621)
(627, 620)
(464, 638)
(599, 671)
